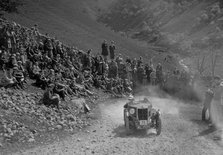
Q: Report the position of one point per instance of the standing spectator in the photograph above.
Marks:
(101, 66)
(148, 71)
(112, 50)
(153, 77)
(140, 74)
(128, 60)
(3, 59)
(87, 60)
(104, 52)
(139, 62)
(119, 59)
(159, 73)
(113, 69)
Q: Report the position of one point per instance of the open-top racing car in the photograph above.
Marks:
(141, 115)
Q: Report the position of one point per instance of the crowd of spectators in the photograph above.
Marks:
(27, 54)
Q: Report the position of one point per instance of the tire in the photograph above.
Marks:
(125, 123)
(158, 126)
(205, 114)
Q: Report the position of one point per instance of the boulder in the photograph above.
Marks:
(79, 103)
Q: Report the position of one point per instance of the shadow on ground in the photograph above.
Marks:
(122, 132)
(209, 132)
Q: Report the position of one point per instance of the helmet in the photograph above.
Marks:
(131, 97)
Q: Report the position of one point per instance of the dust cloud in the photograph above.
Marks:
(114, 110)
(161, 100)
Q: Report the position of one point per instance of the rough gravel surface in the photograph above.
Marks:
(183, 133)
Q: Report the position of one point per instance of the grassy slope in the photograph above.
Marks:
(184, 24)
(73, 22)
(69, 21)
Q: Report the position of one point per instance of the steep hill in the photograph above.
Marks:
(73, 22)
(190, 28)
(184, 27)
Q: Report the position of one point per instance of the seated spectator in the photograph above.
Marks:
(112, 50)
(51, 77)
(18, 74)
(35, 72)
(49, 98)
(127, 86)
(60, 89)
(8, 81)
(41, 80)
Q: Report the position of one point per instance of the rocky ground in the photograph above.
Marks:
(183, 132)
(24, 123)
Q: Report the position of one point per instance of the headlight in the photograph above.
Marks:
(159, 112)
(132, 111)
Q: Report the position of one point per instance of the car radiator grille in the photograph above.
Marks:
(143, 114)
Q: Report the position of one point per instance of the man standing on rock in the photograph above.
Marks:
(104, 52)
(112, 50)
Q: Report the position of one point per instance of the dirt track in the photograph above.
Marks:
(182, 133)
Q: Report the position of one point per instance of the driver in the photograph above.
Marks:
(145, 100)
(131, 101)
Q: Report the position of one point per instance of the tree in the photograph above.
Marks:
(201, 64)
(214, 58)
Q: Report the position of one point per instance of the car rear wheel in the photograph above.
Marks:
(158, 126)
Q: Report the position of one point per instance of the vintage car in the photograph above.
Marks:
(141, 115)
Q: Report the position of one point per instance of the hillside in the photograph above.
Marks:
(173, 32)
(69, 21)
(190, 28)
(184, 27)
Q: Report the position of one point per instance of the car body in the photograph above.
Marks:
(141, 115)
